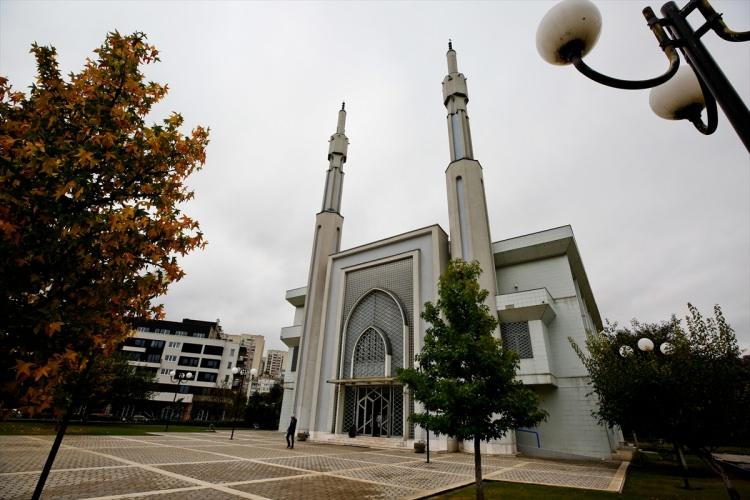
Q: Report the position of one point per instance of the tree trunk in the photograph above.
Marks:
(62, 427)
(715, 466)
(683, 465)
(478, 469)
(52, 454)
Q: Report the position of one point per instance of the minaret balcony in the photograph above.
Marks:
(526, 305)
(290, 335)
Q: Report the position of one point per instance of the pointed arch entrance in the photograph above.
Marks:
(374, 344)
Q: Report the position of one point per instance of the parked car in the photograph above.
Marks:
(140, 419)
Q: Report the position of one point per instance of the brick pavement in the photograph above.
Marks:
(256, 464)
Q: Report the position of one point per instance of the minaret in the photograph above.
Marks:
(467, 206)
(326, 241)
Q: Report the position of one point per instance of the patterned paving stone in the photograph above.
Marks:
(376, 458)
(229, 472)
(552, 478)
(89, 483)
(240, 451)
(571, 469)
(492, 461)
(258, 463)
(192, 494)
(460, 468)
(388, 474)
(323, 487)
(160, 455)
(20, 460)
(319, 463)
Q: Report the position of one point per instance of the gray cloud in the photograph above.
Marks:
(661, 213)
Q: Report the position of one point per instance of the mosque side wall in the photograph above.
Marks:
(570, 429)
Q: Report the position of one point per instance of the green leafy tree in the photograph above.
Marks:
(691, 389)
(464, 377)
(90, 217)
(116, 383)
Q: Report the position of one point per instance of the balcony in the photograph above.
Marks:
(296, 296)
(290, 335)
(527, 305)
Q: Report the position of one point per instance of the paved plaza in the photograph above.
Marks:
(256, 464)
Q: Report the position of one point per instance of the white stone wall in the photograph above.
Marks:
(553, 274)
(570, 429)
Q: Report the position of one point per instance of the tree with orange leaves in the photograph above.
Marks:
(90, 216)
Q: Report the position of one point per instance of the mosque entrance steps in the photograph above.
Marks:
(363, 441)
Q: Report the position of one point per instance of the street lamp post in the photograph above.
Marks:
(570, 29)
(241, 372)
(178, 378)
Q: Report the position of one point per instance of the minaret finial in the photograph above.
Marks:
(337, 147)
(450, 44)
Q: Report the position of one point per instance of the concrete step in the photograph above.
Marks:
(365, 441)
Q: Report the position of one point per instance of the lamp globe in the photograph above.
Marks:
(569, 28)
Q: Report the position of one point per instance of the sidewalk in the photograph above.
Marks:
(256, 464)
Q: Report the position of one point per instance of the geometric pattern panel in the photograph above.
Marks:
(516, 338)
(378, 310)
(369, 355)
(397, 278)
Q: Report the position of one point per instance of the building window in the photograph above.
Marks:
(210, 363)
(174, 344)
(516, 337)
(199, 335)
(206, 377)
(229, 365)
(184, 389)
(192, 348)
(164, 371)
(214, 350)
(153, 358)
(139, 342)
(294, 359)
(181, 333)
(157, 344)
(369, 355)
(170, 358)
(142, 329)
(188, 361)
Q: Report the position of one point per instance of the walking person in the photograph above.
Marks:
(290, 432)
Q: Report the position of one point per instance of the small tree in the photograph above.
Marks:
(691, 389)
(464, 376)
(90, 218)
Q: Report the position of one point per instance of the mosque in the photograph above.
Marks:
(358, 319)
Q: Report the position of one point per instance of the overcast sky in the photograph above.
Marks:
(661, 213)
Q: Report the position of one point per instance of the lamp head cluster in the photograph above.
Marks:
(646, 345)
(570, 30)
(242, 371)
(181, 375)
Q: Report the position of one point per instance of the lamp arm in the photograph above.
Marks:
(714, 19)
(586, 70)
(711, 113)
(666, 44)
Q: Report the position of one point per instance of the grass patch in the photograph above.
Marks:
(93, 429)
(656, 478)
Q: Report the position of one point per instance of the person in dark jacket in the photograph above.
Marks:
(290, 432)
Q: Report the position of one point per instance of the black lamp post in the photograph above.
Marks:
(178, 378)
(241, 372)
(570, 29)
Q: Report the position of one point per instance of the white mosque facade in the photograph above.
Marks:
(358, 318)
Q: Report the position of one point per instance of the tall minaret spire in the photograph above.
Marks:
(467, 205)
(337, 147)
(326, 241)
(455, 98)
